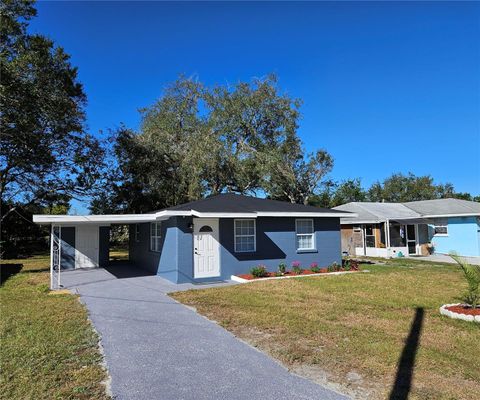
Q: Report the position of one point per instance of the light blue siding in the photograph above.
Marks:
(463, 237)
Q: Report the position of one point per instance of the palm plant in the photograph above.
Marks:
(472, 275)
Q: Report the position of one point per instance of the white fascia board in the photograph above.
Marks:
(93, 219)
(165, 214)
(362, 222)
(305, 214)
(223, 215)
(450, 215)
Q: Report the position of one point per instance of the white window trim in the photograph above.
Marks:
(235, 235)
(154, 237)
(440, 225)
(137, 232)
(314, 241)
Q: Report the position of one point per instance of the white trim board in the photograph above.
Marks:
(162, 215)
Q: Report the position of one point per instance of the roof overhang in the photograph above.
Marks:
(165, 214)
(451, 215)
(93, 219)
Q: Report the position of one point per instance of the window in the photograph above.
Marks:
(305, 234)
(137, 232)
(441, 226)
(369, 236)
(155, 236)
(244, 235)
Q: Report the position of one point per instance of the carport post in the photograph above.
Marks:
(55, 254)
(51, 258)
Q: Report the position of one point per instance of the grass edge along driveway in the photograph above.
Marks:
(352, 330)
(48, 347)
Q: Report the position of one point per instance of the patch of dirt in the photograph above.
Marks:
(354, 385)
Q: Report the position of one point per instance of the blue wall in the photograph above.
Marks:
(463, 237)
(276, 242)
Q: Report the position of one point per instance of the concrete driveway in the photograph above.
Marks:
(156, 348)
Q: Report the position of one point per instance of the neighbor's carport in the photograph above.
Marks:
(78, 241)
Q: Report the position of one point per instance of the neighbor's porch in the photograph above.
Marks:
(390, 238)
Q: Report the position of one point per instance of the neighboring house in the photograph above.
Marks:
(413, 228)
(205, 240)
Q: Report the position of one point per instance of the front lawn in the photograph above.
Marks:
(351, 330)
(48, 349)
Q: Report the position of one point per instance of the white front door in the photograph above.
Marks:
(206, 248)
(86, 246)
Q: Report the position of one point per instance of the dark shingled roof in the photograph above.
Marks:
(235, 203)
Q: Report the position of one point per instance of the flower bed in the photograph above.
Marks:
(250, 277)
(461, 311)
(260, 271)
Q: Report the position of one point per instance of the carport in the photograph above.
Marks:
(82, 241)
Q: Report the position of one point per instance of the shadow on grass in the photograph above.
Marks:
(406, 364)
(8, 270)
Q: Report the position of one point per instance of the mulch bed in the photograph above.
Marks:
(467, 310)
(250, 277)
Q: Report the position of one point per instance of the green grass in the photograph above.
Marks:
(357, 323)
(48, 348)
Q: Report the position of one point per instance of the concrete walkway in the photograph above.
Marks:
(447, 259)
(156, 348)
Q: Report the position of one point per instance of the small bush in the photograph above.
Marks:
(314, 267)
(347, 265)
(282, 268)
(334, 267)
(354, 265)
(296, 267)
(260, 271)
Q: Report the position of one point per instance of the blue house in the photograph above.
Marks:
(205, 240)
(414, 228)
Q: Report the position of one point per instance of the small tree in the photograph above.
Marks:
(472, 275)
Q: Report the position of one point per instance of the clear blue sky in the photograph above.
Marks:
(387, 87)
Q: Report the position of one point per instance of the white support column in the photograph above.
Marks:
(59, 254)
(387, 238)
(417, 241)
(51, 258)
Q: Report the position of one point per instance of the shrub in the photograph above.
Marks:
(296, 267)
(347, 265)
(260, 271)
(297, 270)
(334, 267)
(314, 267)
(472, 276)
(282, 268)
(296, 264)
(354, 265)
